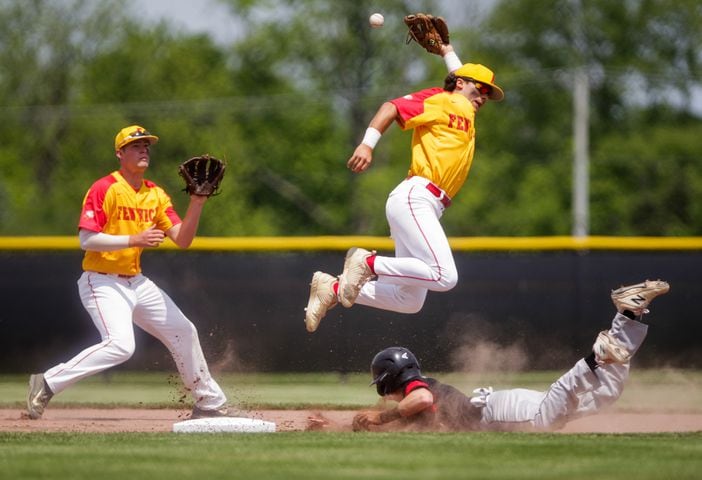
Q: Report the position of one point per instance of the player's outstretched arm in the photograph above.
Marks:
(451, 60)
(432, 34)
(184, 233)
(363, 155)
(415, 402)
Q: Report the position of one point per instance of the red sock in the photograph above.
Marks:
(370, 260)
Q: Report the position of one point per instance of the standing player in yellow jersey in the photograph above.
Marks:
(443, 143)
(123, 213)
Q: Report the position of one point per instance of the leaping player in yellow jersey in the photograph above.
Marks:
(443, 143)
(123, 213)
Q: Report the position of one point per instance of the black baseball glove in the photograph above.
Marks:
(202, 175)
(427, 30)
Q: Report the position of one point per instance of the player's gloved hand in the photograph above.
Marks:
(430, 32)
(202, 174)
(480, 396)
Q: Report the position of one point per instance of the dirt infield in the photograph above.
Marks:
(152, 420)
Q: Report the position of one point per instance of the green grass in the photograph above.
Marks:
(156, 390)
(348, 455)
(311, 455)
(660, 390)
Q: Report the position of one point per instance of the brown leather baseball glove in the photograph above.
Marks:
(427, 30)
(202, 175)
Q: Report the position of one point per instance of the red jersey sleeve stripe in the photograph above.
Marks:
(412, 105)
(415, 384)
(173, 216)
(170, 210)
(93, 217)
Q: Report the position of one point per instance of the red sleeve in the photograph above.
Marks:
(413, 385)
(93, 216)
(173, 216)
(169, 209)
(413, 104)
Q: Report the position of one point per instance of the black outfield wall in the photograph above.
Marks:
(530, 310)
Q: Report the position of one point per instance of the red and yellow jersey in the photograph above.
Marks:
(443, 140)
(112, 206)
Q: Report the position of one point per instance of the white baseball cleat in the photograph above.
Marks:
(636, 298)
(609, 350)
(322, 299)
(356, 273)
(38, 396)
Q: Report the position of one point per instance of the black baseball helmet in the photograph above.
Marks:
(392, 368)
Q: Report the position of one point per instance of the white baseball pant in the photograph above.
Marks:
(579, 392)
(423, 259)
(114, 303)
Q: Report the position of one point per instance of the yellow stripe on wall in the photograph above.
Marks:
(266, 244)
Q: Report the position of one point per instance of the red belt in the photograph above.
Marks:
(118, 274)
(438, 193)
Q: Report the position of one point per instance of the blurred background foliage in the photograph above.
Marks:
(286, 102)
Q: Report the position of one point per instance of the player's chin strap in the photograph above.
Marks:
(480, 396)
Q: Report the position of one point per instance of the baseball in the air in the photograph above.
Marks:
(376, 20)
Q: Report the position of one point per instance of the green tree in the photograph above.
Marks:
(43, 45)
(65, 103)
(287, 102)
(180, 88)
(640, 55)
(649, 182)
(332, 71)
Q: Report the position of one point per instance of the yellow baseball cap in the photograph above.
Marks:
(481, 74)
(131, 134)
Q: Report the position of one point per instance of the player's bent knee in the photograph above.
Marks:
(414, 307)
(190, 330)
(606, 399)
(187, 330)
(447, 281)
(411, 299)
(412, 303)
(120, 352)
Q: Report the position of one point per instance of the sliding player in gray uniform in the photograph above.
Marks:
(595, 381)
